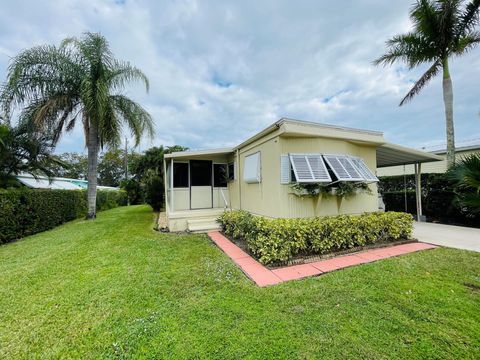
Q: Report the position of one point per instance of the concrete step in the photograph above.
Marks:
(203, 225)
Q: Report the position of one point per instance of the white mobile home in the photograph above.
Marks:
(259, 174)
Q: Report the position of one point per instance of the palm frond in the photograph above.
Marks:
(411, 48)
(422, 82)
(137, 119)
(466, 176)
(123, 73)
(470, 18)
(424, 15)
(467, 43)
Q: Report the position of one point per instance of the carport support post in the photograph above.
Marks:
(418, 190)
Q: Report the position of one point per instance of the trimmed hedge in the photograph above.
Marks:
(278, 240)
(438, 198)
(25, 212)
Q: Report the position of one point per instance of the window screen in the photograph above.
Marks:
(309, 168)
(251, 171)
(231, 171)
(180, 175)
(343, 168)
(220, 175)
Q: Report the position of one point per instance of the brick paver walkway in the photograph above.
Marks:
(263, 276)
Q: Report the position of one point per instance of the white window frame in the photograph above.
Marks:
(257, 178)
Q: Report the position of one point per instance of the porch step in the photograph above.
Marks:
(203, 225)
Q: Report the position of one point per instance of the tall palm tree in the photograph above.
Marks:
(441, 29)
(80, 80)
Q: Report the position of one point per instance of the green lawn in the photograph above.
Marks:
(116, 288)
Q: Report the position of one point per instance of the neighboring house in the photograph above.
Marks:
(463, 148)
(58, 183)
(257, 175)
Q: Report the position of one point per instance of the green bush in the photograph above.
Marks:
(25, 212)
(278, 240)
(109, 199)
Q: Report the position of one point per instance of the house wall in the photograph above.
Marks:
(430, 167)
(273, 199)
(262, 198)
(295, 206)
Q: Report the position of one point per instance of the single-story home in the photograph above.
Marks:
(258, 175)
(462, 148)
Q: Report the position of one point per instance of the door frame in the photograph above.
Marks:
(190, 184)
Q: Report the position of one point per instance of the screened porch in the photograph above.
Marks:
(197, 182)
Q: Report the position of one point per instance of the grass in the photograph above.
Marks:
(114, 288)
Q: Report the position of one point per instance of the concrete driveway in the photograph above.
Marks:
(447, 235)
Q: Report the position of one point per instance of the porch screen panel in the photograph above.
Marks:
(220, 175)
(363, 169)
(180, 175)
(201, 173)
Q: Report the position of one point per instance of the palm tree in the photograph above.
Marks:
(441, 29)
(466, 175)
(78, 81)
(24, 150)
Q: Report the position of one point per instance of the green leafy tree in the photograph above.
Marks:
(441, 29)
(466, 175)
(147, 181)
(23, 150)
(111, 167)
(79, 81)
(74, 166)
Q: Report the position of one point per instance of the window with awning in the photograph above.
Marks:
(324, 168)
(309, 168)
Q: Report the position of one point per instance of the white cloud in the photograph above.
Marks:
(220, 71)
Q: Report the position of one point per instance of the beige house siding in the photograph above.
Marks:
(295, 206)
(262, 198)
(272, 199)
(427, 168)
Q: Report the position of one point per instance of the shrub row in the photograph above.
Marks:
(278, 240)
(25, 212)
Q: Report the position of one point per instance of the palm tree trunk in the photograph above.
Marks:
(92, 148)
(448, 102)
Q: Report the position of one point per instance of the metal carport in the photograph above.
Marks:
(391, 155)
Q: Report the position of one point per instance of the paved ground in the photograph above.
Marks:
(263, 276)
(448, 235)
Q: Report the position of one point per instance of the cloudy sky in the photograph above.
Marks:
(222, 70)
